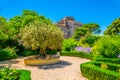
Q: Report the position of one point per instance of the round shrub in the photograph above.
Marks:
(107, 46)
(7, 53)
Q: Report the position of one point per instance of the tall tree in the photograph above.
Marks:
(26, 18)
(113, 28)
(3, 29)
(86, 29)
(39, 35)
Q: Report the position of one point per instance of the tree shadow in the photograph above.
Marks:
(60, 64)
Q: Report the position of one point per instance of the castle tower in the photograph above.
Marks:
(68, 25)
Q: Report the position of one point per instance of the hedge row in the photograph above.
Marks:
(111, 60)
(109, 66)
(25, 75)
(93, 72)
(79, 54)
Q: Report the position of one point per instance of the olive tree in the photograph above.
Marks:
(39, 35)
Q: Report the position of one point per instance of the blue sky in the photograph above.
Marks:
(102, 12)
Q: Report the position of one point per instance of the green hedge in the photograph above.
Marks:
(94, 72)
(25, 75)
(109, 66)
(111, 60)
(79, 54)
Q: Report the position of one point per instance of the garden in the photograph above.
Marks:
(31, 34)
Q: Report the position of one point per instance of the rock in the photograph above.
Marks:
(68, 25)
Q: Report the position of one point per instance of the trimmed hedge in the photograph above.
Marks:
(111, 60)
(92, 71)
(25, 75)
(79, 54)
(110, 66)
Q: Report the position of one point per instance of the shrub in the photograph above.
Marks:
(69, 44)
(29, 52)
(9, 74)
(79, 54)
(107, 46)
(91, 39)
(7, 53)
(93, 72)
(13, 74)
(48, 51)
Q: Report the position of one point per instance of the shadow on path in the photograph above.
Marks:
(10, 62)
(60, 64)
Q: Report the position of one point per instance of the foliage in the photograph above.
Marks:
(107, 46)
(9, 74)
(69, 44)
(3, 32)
(94, 72)
(107, 65)
(104, 66)
(13, 74)
(29, 52)
(86, 29)
(80, 32)
(7, 53)
(113, 28)
(48, 51)
(25, 75)
(91, 39)
(111, 60)
(16, 23)
(82, 42)
(39, 35)
(88, 41)
(26, 18)
(79, 54)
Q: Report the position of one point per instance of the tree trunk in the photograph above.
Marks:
(42, 53)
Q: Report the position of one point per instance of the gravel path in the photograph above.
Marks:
(67, 69)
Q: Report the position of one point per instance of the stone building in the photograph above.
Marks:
(68, 25)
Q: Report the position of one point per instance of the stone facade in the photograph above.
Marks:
(68, 25)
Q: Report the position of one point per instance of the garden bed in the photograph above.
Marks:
(94, 70)
(79, 54)
(33, 60)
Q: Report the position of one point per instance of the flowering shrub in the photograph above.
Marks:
(83, 49)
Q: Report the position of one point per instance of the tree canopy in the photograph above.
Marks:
(86, 29)
(20, 21)
(39, 35)
(3, 31)
(113, 28)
